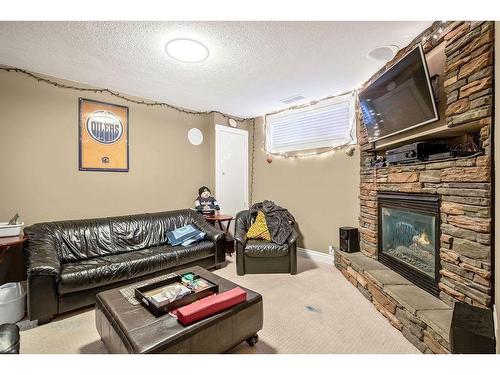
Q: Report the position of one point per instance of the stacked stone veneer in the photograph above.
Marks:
(426, 337)
(465, 244)
(464, 186)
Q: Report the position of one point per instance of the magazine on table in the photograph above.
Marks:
(167, 293)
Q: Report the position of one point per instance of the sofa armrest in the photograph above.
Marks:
(212, 233)
(44, 270)
(292, 239)
(41, 255)
(241, 227)
(241, 238)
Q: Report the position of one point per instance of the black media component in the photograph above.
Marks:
(349, 239)
(452, 154)
(413, 152)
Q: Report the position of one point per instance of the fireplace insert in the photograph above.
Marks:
(408, 237)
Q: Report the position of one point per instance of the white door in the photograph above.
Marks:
(231, 169)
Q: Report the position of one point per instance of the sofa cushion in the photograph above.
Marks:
(193, 252)
(262, 249)
(106, 270)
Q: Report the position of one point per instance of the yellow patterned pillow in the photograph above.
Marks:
(259, 228)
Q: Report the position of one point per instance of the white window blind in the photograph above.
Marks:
(329, 123)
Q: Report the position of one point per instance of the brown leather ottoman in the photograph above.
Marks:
(125, 328)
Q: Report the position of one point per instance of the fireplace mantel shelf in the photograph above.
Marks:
(423, 319)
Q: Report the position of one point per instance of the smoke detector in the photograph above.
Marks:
(233, 123)
(384, 53)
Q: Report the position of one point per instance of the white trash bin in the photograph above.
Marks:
(10, 230)
(12, 301)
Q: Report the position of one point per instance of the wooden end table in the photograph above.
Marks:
(12, 266)
(219, 219)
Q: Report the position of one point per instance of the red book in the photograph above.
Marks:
(210, 305)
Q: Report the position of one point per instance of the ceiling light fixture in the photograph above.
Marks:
(187, 50)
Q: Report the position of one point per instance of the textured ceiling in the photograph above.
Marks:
(251, 67)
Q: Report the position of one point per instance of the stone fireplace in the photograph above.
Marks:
(409, 237)
(461, 185)
(426, 227)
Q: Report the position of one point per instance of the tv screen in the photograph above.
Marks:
(400, 99)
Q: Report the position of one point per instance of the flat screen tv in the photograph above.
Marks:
(400, 99)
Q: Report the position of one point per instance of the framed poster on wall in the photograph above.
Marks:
(103, 136)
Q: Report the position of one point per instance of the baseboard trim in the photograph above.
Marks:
(315, 255)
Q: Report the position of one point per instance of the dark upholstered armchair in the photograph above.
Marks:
(260, 256)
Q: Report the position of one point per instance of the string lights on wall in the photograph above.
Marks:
(119, 96)
(146, 103)
(434, 36)
(126, 98)
(321, 152)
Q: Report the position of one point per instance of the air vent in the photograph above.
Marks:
(292, 99)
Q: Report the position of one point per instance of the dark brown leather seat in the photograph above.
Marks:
(263, 249)
(260, 256)
(68, 262)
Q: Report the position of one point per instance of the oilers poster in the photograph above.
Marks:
(103, 133)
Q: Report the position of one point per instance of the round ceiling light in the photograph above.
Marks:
(186, 50)
(384, 53)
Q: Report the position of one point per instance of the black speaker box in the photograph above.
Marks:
(472, 330)
(349, 239)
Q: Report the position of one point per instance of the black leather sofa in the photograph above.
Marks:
(69, 262)
(260, 256)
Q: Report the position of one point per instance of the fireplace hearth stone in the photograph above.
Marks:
(386, 277)
(423, 319)
(414, 299)
(438, 320)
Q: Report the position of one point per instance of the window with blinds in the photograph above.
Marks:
(329, 123)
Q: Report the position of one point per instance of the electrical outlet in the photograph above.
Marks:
(330, 249)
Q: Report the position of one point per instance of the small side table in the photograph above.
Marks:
(219, 219)
(12, 265)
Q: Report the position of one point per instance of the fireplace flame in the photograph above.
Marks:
(422, 239)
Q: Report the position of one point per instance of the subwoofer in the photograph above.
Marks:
(349, 239)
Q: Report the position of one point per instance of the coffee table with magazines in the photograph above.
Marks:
(128, 328)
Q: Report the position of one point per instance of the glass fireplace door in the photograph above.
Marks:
(409, 237)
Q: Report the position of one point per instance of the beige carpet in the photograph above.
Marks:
(315, 311)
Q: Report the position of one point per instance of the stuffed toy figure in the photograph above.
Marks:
(205, 203)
